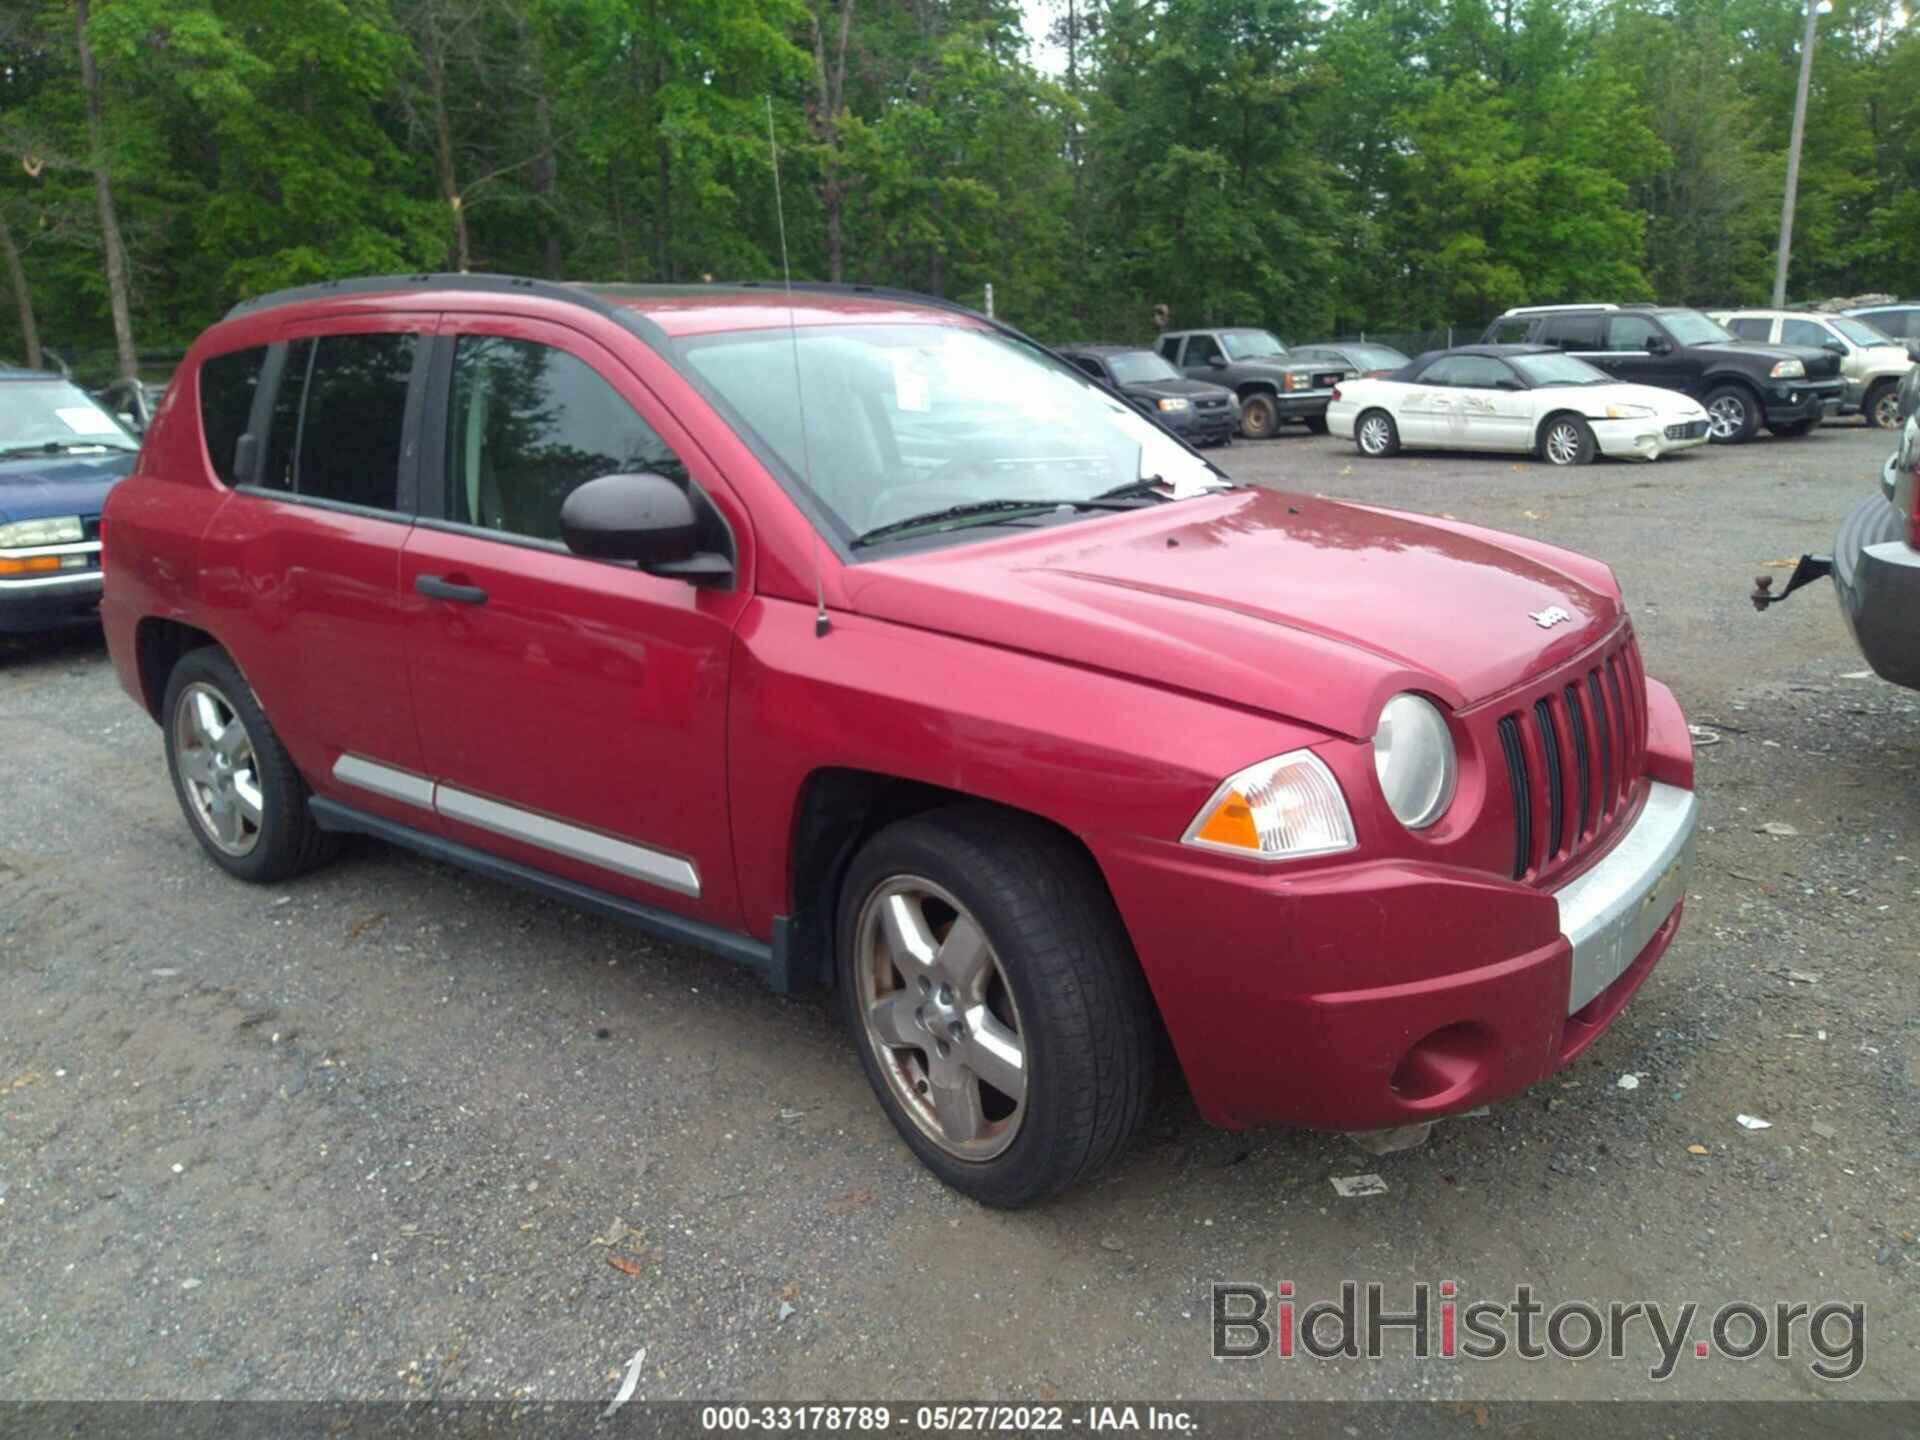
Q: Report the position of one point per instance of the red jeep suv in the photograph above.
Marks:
(855, 637)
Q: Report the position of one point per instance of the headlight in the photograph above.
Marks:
(1788, 370)
(1173, 403)
(1629, 412)
(59, 530)
(1413, 756)
(1280, 809)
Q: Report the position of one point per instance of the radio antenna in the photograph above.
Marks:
(821, 624)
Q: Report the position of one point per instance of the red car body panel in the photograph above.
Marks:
(1105, 675)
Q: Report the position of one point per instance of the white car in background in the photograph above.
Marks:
(1522, 398)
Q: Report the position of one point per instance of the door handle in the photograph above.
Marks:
(435, 588)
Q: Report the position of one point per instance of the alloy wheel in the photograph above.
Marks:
(1886, 409)
(218, 769)
(941, 1017)
(1374, 435)
(1726, 417)
(1563, 444)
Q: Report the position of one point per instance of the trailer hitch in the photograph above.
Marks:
(1810, 569)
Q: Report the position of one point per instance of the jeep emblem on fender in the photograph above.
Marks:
(1548, 618)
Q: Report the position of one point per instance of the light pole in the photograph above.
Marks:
(1814, 10)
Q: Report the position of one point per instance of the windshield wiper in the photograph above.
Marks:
(1149, 485)
(986, 512)
(61, 447)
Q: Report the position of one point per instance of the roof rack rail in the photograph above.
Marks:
(570, 292)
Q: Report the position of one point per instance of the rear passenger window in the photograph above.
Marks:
(527, 425)
(339, 419)
(1572, 332)
(227, 386)
(1749, 328)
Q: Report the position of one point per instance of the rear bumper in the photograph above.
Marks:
(1876, 574)
(1379, 994)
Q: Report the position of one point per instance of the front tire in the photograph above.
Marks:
(1259, 417)
(1732, 415)
(995, 1001)
(244, 800)
(1882, 407)
(1376, 435)
(1568, 440)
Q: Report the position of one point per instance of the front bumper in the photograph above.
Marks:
(1651, 437)
(1302, 404)
(1788, 402)
(1877, 577)
(57, 598)
(1376, 994)
(1202, 427)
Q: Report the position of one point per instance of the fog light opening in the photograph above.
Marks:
(1442, 1064)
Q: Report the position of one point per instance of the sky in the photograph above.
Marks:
(1048, 59)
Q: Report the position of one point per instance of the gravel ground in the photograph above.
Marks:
(370, 1134)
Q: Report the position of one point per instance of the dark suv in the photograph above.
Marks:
(1788, 388)
(1199, 413)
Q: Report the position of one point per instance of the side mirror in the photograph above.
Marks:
(1658, 345)
(130, 420)
(644, 518)
(1838, 347)
(1218, 362)
(246, 459)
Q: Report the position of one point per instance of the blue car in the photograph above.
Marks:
(59, 455)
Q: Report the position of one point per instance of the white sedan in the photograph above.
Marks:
(1513, 397)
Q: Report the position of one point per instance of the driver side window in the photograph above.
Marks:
(1630, 332)
(1201, 350)
(527, 425)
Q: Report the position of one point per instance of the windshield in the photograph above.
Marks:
(906, 420)
(1541, 370)
(1251, 344)
(54, 416)
(1690, 327)
(1140, 367)
(1859, 332)
(1374, 357)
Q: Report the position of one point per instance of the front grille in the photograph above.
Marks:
(1574, 756)
(1217, 404)
(1692, 430)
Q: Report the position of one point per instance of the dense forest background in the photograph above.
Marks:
(1316, 167)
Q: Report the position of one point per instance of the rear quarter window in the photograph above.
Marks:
(227, 386)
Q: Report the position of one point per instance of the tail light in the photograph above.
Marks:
(1336, 394)
(1909, 503)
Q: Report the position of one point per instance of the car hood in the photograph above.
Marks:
(1163, 389)
(34, 486)
(1594, 399)
(1820, 364)
(1312, 609)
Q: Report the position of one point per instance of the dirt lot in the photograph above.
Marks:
(368, 1134)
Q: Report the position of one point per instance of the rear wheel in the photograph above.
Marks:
(1259, 417)
(243, 798)
(1376, 435)
(997, 1007)
(1732, 415)
(1568, 440)
(1882, 408)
